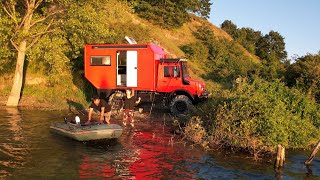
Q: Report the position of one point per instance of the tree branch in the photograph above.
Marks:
(36, 39)
(33, 6)
(21, 24)
(42, 33)
(27, 3)
(38, 4)
(38, 36)
(11, 15)
(14, 44)
(44, 18)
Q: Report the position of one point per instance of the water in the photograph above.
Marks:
(28, 150)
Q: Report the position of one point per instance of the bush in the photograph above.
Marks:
(225, 60)
(196, 51)
(260, 114)
(196, 133)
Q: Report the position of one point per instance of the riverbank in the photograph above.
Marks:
(188, 130)
(72, 91)
(30, 103)
(213, 127)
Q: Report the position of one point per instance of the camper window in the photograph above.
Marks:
(100, 61)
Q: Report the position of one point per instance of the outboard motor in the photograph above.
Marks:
(77, 119)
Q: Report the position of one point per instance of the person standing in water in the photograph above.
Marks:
(128, 107)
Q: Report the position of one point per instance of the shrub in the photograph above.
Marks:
(196, 51)
(260, 114)
(225, 61)
(196, 133)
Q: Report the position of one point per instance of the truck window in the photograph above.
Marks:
(100, 60)
(185, 70)
(171, 71)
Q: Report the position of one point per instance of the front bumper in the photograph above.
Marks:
(202, 97)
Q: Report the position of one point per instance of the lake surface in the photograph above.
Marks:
(28, 150)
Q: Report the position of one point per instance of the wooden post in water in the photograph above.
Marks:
(280, 157)
(313, 154)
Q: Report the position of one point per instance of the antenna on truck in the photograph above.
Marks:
(130, 40)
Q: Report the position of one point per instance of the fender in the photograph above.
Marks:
(183, 92)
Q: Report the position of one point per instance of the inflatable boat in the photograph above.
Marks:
(82, 132)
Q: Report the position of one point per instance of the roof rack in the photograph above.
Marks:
(170, 60)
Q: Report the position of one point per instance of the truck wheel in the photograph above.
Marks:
(115, 100)
(180, 105)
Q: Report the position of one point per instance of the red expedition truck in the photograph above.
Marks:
(113, 68)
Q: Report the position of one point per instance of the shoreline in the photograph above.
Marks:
(29, 103)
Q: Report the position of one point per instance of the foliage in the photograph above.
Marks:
(29, 20)
(196, 133)
(248, 38)
(84, 23)
(229, 27)
(272, 44)
(260, 114)
(81, 23)
(169, 13)
(225, 59)
(196, 51)
(49, 57)
(6, 52)
(270, 48)
(70, 92)
(140, 33)
(305, 74)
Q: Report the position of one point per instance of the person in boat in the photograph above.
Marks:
(129, 103)
(101, 107)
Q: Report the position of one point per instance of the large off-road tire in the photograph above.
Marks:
(115, 100)
(180, 105)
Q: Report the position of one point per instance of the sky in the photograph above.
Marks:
(298, 21)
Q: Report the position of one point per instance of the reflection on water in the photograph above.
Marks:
(140, 154)
(148, 151)
(13, 147)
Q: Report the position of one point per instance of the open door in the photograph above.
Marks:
(132, 69)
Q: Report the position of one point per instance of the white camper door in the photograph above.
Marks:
(132, 70)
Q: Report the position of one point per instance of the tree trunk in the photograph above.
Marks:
(15, 93)
(14, 96)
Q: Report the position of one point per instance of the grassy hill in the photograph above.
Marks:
(70, 86)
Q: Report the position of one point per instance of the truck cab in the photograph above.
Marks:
(182, 90)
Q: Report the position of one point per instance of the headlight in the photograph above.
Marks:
(201, 87)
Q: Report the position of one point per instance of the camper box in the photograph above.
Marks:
(121, 66)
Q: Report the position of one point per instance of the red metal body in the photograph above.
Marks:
(142, 67)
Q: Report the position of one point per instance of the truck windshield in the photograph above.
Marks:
(185, 69)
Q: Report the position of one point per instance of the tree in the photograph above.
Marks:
(200, 7)
(196, 51)
(305, 73)
(31, 20)
(5, 33)
(82, 22)
(271, 49)
(170, 13)
(272, 44)
(229, 27)
(248, 38)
